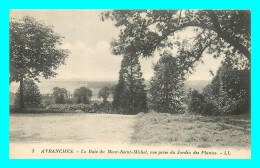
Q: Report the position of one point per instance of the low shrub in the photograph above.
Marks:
(88, 108)
(197, 103)
(72, 107)
(104, 107)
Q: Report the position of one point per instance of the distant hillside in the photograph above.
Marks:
(193, 84)
(196, 84)
(47, 86)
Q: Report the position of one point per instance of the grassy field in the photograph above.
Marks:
(28, 128)
(192, 130)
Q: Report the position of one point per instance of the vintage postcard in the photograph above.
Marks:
(135, 84)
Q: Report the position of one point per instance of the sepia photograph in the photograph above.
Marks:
(130, 84)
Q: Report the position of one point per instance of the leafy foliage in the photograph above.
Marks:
(59, 95)
(88, 108)
(217, 32)
(83, 95)
(31, 94)
(33, 50)
(113, 90)
(195, 102)
(130, 94)
(228, 93)
(230, 90)
(104, 93)
(198, 104)
(105, 107)
(72, 107)
(166, 86)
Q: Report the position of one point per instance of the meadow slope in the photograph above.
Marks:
(192, 130)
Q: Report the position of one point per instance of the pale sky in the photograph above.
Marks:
(88, 39)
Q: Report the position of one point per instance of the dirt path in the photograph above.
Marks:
(70, 128)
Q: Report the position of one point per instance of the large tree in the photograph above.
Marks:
(216, 32)
(130, 93)
(31, 93)
(104, 93)
(60, 94)
(228, 93)
(166, 86)
(83, 95)
(229, 90)
(34, 51)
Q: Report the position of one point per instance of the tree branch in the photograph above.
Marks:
(237, 46)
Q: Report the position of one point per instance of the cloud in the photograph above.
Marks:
(80, 45)
(93, 63)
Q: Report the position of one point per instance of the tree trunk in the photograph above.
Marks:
(21, 93)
